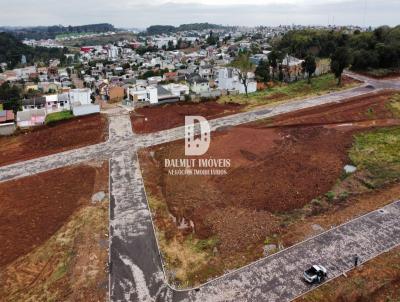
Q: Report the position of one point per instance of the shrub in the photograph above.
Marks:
(330, 195)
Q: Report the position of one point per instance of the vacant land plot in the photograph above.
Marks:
(54, 244)
(45, 140)
(151, 119)
(282, 171)
(376, 281)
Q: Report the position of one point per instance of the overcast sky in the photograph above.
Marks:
(142, 13)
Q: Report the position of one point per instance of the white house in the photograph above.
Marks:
(179, 90)
(57, 102)
(206, 71)
(80, 96)
(199, 85)
(228, 79)
(141, 93)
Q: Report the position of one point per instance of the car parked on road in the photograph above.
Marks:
(315, 274)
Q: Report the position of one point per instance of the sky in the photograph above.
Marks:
(143, 13)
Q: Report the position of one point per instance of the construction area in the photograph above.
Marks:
(51, 139)
(54, 234)
(285, 181)
(162, 117)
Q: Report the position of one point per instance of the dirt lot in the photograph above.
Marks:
(45, 140)
(375, 281)
(54, 244)
(277, 167)
(152, 119)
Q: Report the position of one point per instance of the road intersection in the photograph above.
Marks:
(136, 268)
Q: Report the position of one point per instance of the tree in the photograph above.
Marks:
(262, 71)
(170, 45)
(309, 66)
(212, 39)
(243, 64)
(274, 58)
(340, 59)
(11, 95)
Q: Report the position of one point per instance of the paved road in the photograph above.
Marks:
(121, 138)
(390, 83)
(256, 114)
(137, 271)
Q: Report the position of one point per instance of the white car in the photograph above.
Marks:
(315, 274)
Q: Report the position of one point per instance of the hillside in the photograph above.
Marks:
(167, 29)
(50, 32)
(11, 51)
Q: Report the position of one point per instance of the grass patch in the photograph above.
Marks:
(58, 116)
(185, 257)
(378, 152)
(184, 260)
(394, 104)
(319, 85)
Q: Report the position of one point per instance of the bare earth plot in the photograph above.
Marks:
(211, 224)
(156, 118)
(45, 140)
(151, 119)
(53, 238)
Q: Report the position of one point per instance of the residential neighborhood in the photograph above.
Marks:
(147, 70)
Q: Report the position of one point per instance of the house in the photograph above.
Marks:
(170, 76)
(292, 67)
(206, 71)
(6, 116)
(166, 96)
(57, 103)
(115, 94)
(30, 118)
(80, 96)
(257, 58)
(198, 84)
(81, 102)
(140, 93)
(179, 90)
(49, 87)
(30, 86)
(154, 80)
(33, 103)
(228, 79)
(7, 121)
(9, 75)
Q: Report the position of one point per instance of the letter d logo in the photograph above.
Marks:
(196, 146)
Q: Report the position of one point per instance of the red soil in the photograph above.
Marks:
(46, 140)
(152, 119)
(33, 208)
(276, 166)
